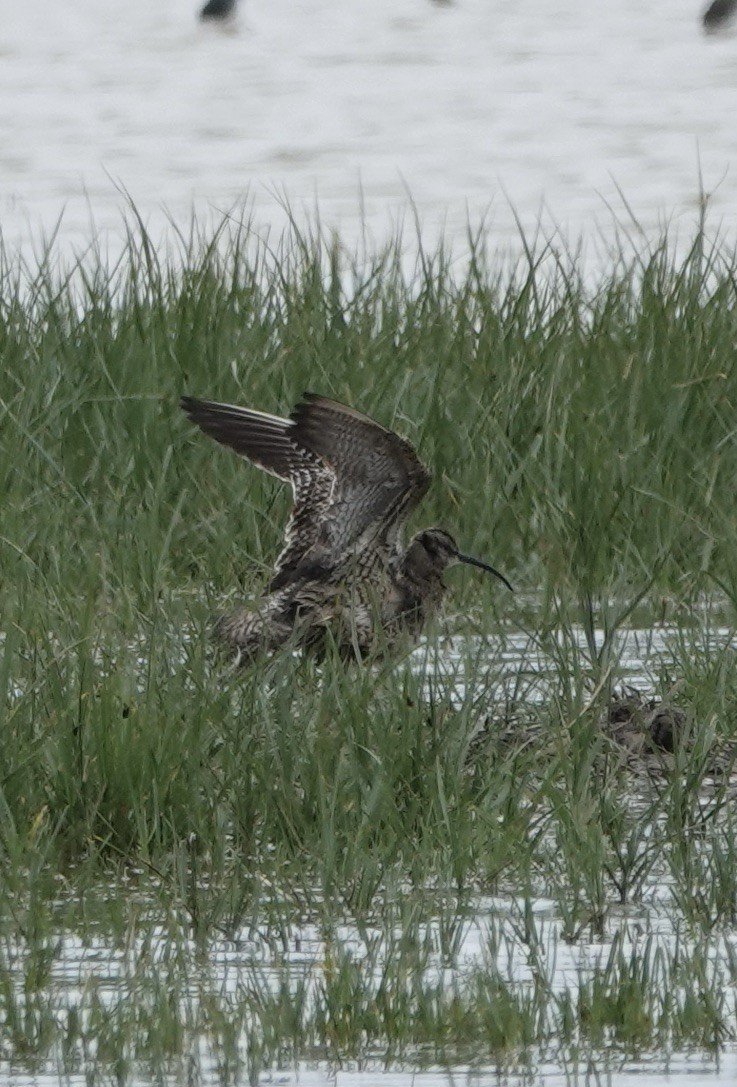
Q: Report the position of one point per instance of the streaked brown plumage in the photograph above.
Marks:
(342, 572)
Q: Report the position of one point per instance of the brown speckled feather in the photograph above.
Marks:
(354, 482)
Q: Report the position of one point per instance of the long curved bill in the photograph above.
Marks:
(471, 561)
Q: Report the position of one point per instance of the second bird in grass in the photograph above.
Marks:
(343, 573)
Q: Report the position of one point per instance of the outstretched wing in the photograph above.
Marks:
(267, 441)
(354, 481)
(379, 479)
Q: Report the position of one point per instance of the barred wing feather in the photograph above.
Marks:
(354, 482)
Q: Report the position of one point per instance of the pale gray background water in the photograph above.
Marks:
(470, 107)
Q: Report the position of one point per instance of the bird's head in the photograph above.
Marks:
(433, 550)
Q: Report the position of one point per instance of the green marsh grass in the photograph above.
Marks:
(581, 437)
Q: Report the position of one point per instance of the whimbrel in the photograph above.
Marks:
(719, 15)
(342, 572)
(218, 10)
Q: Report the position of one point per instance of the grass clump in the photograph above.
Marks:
(581, 438)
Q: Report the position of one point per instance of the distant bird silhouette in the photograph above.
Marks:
(719, 14)
(218, 9)
(343, 573)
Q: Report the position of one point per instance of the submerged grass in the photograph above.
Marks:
(582, 438)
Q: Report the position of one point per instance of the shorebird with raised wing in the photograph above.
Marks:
(343, 573)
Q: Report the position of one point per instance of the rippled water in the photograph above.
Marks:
(490, 939)
(475, 108)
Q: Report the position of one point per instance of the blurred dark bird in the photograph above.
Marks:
(642, 725)
(218, 9)
(342, 573)
(719, 15)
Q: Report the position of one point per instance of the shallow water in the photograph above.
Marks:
(486, 934)
(490, 939)
(523, 668)
(476, 108)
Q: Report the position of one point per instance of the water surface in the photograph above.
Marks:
(477, 108)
